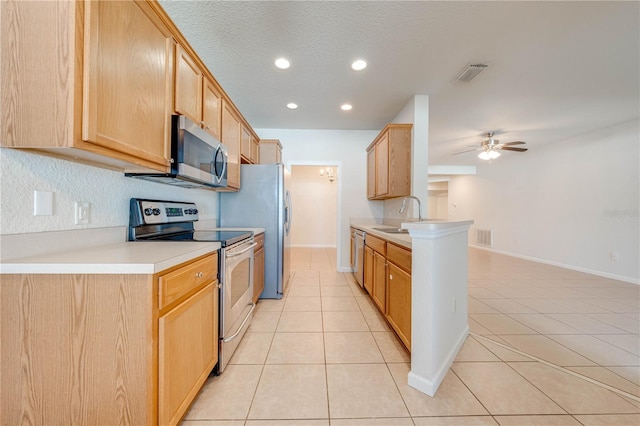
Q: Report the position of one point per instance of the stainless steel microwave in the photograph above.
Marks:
(198, 160)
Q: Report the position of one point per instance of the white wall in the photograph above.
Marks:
(416, 111)
(348, 148)
(571, 203)
(315, 205)
(108, 192)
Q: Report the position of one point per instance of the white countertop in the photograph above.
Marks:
(119, 258)
(403, 240)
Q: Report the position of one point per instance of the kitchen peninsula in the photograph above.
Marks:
(438, 291)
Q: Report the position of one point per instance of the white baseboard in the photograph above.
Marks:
(630, 280)
(344, 269)
(430, 387)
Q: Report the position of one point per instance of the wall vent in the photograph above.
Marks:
(484, 237)
(469, 73)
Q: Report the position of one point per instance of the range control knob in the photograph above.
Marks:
(148, 211)
(194, 211)
(156, 212)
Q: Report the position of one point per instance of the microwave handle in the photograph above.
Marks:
(220, 150)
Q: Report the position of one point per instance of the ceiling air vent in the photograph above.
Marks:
(469, 73)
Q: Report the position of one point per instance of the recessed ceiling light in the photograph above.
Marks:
(291, 105)
(346, 107)
(282, 63)
(359, 65)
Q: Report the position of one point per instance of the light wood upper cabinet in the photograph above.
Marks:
(249, 146)
(196, 96)
(231, 137)
(389, 163)
(88, 81)
(97, 82)
(188, 86)
(211, 108)
(270, 151)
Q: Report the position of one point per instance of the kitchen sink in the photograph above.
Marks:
(393, 230)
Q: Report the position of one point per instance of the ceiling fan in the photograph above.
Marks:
(489, 149)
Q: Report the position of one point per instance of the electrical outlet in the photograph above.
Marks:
(42, 203)
(82, 212)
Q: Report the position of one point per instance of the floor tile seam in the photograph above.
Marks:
(563, 369)
(593, 319)
(548, 317)
(586, 355)
(609, 370)
(595, 336)
(471, 391)
(255, 391)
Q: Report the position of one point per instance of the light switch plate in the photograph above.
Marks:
(82, 211)
(42, 203)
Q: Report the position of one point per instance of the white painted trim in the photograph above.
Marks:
(338, 165)
(630, 280)
(431, 386)
(345, 269)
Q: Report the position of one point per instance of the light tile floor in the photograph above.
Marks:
(544, 341)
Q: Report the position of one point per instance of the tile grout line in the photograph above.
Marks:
(557, 367)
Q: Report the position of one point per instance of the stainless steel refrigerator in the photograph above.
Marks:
(264, 202)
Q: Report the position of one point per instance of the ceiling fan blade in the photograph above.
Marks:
(506, 148)
(514, 143)
(469, 150)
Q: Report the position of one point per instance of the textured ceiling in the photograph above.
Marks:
(556, 69)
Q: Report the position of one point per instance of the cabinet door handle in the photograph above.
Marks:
(199, 275)
(390, 276)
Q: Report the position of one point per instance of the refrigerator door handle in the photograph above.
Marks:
(287, 212)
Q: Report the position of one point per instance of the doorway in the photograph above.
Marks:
(314, 192)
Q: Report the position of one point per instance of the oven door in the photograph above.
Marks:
(236, 304)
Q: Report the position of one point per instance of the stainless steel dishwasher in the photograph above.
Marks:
(358, 258)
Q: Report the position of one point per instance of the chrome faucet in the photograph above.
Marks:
(404, 206)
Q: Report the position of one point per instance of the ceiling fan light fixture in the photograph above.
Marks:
(469, 72)
(489, 154)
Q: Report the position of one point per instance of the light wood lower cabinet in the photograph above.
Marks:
(99, 349)
(379, 294)
(187, 352)
(399, 303)
(368, 269)
(258, 268)
(387, 279)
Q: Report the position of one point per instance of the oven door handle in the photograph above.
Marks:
(234, 254)
(230, 338)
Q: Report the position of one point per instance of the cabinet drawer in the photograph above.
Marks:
(259, 240)
(399, 256)
(377, 244)
(175, 284)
